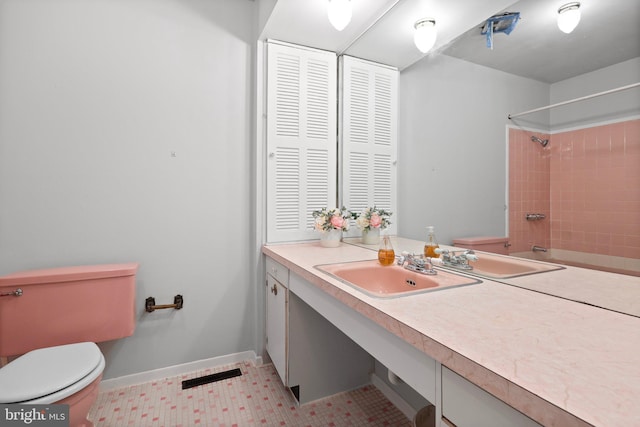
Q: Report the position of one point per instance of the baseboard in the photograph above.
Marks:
(393, 397)
(176, 370)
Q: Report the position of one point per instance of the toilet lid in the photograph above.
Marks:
(46, 371)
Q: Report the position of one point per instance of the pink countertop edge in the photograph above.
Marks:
(559, 362)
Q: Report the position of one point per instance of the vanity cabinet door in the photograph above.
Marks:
(277, 297)
(277, 271)
(466, 405)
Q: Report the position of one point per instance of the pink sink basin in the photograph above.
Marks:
(503, 267)
(392, 281)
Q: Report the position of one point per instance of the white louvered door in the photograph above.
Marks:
(301, 139)
(369, 106)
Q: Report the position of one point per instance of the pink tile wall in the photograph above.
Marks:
(529, 178)
(595, 190)
(591, 177)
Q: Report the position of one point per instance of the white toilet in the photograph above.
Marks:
(52, 374)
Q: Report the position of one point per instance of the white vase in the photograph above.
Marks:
(331, 238)
(371, 236)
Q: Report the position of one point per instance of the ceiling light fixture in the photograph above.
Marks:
(339, 12)
(568, 17)
(425, 35)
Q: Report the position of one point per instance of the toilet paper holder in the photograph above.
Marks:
(150, 304)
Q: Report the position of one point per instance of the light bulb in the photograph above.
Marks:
(568, 17)
(339, 12)
(425, 35)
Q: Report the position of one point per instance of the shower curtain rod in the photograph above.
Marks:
(606, 92)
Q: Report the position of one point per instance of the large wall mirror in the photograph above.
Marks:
(560, 162)
(573, 168)
(463, 164)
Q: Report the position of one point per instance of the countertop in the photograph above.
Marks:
(560, 362)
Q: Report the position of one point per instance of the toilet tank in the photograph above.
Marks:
(496, 245)
(66, 305)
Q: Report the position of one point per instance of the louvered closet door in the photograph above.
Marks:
(369, 107)
(301, 139)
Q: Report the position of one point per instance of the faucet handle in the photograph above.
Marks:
(400, 259)
(419, 261)
(470, 255)
(446, 254)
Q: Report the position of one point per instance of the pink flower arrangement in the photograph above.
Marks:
(373, 218)
(327, 219)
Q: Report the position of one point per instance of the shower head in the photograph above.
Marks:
(543, 142)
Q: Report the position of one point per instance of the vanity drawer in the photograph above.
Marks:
(466, 405)
(277, 271)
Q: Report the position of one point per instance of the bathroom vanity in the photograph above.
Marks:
(486, 354)
(313, 357)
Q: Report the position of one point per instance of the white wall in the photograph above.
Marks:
(265, 7)
(452, 160)
(600, 109)
(95, 95)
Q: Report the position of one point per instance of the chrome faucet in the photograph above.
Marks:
(458, 259)
(418, 263)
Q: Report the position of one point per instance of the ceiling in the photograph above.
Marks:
(608, 33)
(382, 31)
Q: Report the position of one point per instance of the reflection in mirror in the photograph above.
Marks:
(572, 171)
(568, 201)
(535, 48)
(610, 291)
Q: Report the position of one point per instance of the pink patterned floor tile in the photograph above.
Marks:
(257, 398)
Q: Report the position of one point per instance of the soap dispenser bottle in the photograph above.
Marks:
(386, 254)
(432, 244)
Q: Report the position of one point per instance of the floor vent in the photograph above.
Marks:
(219, 376)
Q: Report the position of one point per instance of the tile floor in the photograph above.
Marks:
(257, 398)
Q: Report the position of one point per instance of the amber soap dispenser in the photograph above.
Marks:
(432, 243)
(386, 254)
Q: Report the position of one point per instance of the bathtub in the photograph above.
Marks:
(612, 264)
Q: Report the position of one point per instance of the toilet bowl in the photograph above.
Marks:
(51, 319)
(68, 375)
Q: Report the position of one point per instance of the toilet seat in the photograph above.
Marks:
(50, 374)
